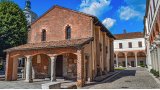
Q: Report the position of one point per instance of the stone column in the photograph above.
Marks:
(53, 68)
(158, 52)
(117, 60)
(80, 68)
(151, 52)
(148, 58)
(153, 65)
(136, 59)
(126, 60)
(154, 55)
(156, 60)
(29, 69)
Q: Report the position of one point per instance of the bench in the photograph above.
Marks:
(51, 85)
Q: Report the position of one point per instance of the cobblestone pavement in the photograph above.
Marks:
(21, 84)
(132, 78)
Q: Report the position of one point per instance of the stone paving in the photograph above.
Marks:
(132, 78)
(21, 84)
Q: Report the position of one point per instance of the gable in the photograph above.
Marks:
(55, 22)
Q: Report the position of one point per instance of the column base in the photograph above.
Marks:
(53, 80)
(29, 81)
(80, 83)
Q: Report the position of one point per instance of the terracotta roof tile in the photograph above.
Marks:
(52, 44)
(129, 35)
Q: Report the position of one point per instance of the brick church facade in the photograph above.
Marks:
(63, 43)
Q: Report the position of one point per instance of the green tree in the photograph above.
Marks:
(13, 26)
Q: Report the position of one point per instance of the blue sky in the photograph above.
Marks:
(116, 15)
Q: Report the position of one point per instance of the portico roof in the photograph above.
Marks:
(52, 44)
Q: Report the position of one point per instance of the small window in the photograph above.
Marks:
(120, 45)
(130, 45)
(43, 35)
(140, 44)
(68, 32)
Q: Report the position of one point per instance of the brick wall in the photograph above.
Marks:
(41, 65)
(55, 22)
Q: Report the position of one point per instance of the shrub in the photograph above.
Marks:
(154, 72)
(142, 65)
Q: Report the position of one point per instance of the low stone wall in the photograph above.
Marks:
(51, 85)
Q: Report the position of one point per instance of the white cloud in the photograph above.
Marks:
(127, 13)
(109, 22)
(94, 7)
(136, 4)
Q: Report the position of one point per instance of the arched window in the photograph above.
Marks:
(43, 35)
(68, 32)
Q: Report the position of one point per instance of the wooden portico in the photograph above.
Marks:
(51, 50)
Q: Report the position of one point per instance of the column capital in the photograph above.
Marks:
(125, 53)
(116, 53)
(29, 56)
(53, 58)
(135, 53)
(79, 51)
(52, 55)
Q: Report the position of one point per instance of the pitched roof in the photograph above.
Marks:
(52, 44)
(95, 18)
(129, 35)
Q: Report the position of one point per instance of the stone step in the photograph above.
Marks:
(68, 86)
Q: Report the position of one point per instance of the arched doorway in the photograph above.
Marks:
(131, 59)
(121, 59)
(141, 59)
(40, 66)
(66, 66)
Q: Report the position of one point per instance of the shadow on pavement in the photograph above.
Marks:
(122, 74)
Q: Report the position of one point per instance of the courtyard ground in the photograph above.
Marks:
(131, 78)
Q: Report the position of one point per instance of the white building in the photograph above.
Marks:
(152, 34)
(129, 49)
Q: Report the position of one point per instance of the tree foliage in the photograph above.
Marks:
(13, 25)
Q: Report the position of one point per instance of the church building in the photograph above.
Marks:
(63, 43)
